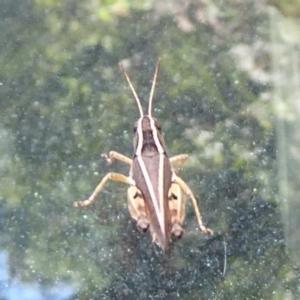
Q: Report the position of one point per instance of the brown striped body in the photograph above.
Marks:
(148, 178)
(152, 173)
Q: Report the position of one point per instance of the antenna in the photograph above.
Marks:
(153, 87)
(133, 91)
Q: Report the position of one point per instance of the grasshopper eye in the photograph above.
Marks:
(135, 126)
(157, 125)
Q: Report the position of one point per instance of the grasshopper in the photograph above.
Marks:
(155, 194)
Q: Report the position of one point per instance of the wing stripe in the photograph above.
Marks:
(152, 193)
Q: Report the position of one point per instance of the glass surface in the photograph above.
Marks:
(227, 94)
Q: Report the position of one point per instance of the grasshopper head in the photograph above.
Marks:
(147, 136)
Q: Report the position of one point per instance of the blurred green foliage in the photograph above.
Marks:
(64, 102)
